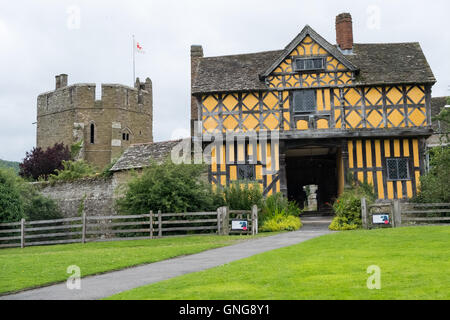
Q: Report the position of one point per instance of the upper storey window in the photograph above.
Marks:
(308, 64)
(304, 101)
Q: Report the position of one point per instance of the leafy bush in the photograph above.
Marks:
(239, 195)
(278, 204)
(41, 208)
(348, 207)
(20, 200)
(279, 214)
(11, 200)
(72, 170)
(168, 187)
(281, 222)
(40, 164)
(434, 185)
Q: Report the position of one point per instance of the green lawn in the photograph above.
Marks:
(37, 266)
(414, 264)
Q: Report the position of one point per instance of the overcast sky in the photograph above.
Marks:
(39, 39)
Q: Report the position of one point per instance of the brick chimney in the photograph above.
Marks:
(344, 31)
(196, 55)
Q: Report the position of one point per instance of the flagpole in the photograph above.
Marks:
(134, 61)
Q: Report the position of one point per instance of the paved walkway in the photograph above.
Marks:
(105, 285)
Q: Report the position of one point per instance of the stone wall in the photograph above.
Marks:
(96, 195)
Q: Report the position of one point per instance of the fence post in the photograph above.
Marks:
(364, 214)
(219, 222)
(22, 233)
(83, 230)
(159, 224)
(226, 221)
(254, 220)
(397, 214)
(151, 224)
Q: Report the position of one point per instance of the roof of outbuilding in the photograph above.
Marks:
(138, 155)
(437, 105)
(378, 64)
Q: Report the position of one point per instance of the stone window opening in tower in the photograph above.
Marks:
(92, 133)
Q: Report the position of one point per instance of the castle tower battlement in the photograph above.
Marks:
(105, 126)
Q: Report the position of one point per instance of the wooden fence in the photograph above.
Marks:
(405, 213)
(117, 228)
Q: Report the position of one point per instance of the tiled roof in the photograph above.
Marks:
(393, 63)
(138, 155)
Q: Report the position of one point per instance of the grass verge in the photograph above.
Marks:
(413, 261)
(37, 266)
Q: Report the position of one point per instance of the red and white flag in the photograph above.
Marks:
(139, 48)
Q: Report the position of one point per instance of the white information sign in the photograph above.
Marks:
(381, 219)
(239, 225)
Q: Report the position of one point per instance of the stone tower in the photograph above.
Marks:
(105, 127)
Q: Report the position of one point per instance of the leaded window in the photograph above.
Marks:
(246, 172)
(304, 101)
(397, 168)
(308, 64)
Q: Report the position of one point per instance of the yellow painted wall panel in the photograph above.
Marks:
(353, 119)
(416, 95)
(396, 148)
(271, 101)
(230, 102)
(418, 179)
(369, 154)
(353, 96)
(390, 190)
(409, 189)
(350, 154)
(387, 148)
(406, 148)
(271, 122)
(417, 117)
(241, 152)
(359, 153)
(327, 100)
(231, 155)
(223, 166)
(370, 178)
(258, 170)
(394, 97)
(322, 124)
(361, 177)
(302, 125)
(233, 173)
(380, 185)
(374, 96)
(211, 102)
(250, 102)
(337, 99)
(399, 190)
(378, 153)
(416, 152)
(320, 106)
